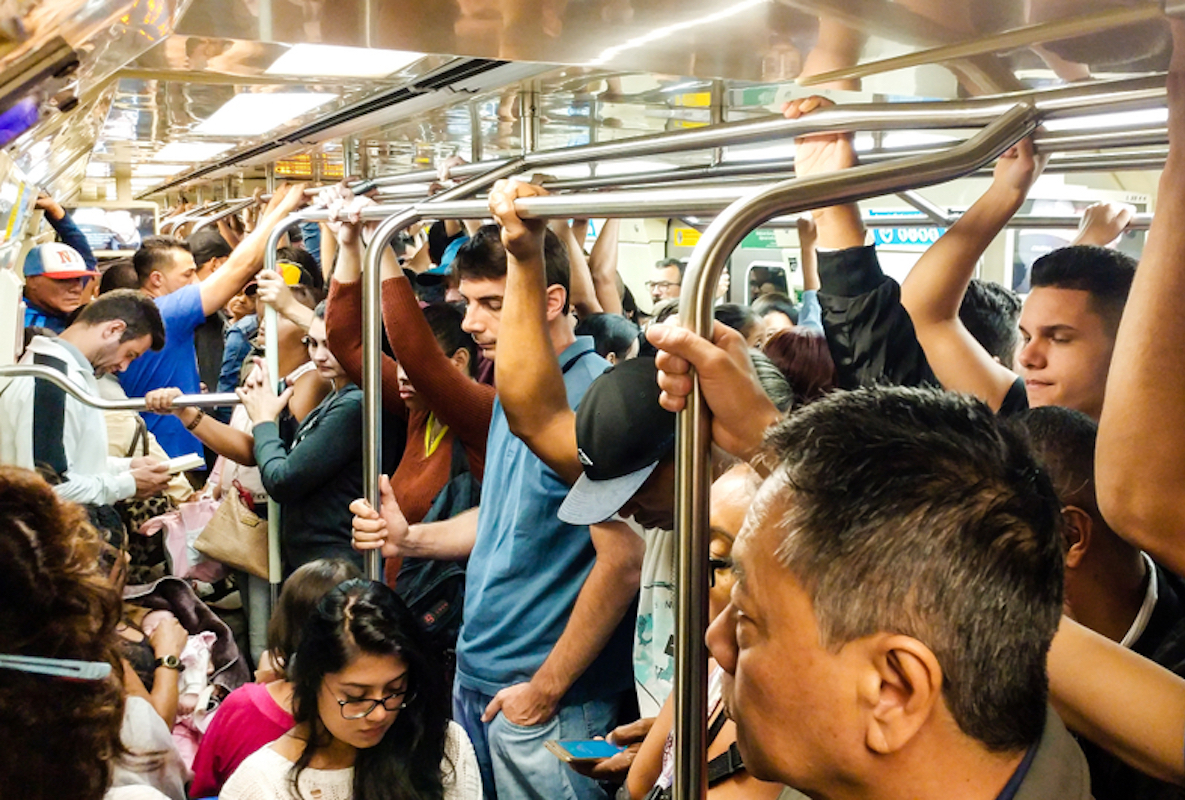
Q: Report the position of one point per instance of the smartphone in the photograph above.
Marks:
(582, 749)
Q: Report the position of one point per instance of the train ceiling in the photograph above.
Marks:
(171, 93)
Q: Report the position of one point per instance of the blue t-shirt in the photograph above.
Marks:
(175, 364)
(527, 567)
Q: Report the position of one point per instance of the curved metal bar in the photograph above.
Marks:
(372, 328)
(102, 403)
(234, 207)
(933, 212)
(694, 431)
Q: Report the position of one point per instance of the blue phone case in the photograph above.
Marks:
(582, 749)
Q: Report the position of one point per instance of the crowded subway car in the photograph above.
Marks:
(592, 399)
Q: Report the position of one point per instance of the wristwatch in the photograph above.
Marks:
(171, 662)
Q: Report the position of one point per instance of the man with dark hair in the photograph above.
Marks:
(544, 649)
(990, 313)
(1068, 323)
(1111, 586)
(168, 274)
(899, 581)
(666, 280)
(41, 426)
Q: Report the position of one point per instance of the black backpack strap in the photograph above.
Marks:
(460, 464)
(49, 417)
(725, 765)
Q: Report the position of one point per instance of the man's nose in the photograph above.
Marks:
(721, 639)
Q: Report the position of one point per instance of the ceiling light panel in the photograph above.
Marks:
(331, 61)
(255, 113)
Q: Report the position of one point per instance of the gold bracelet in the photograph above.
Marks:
(196, 420)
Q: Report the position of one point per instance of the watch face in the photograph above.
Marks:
(172, 662)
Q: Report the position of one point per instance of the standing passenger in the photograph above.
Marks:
(167, 273)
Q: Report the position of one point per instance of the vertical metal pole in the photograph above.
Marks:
(272, 358)
(265, 22)
(476, 138)
(594, 108)
(716, 116)
(269, 178)
(529, 118)
(349, 154)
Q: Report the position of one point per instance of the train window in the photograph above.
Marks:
(766, 277)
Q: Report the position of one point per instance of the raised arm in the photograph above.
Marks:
(530, 384)
(935, 286)
(602, 262)
(583, 296)
(1121, 701)
(343, 311)
(247, 258)
(1140, 460)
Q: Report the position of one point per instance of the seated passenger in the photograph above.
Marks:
(41, 426)
(371, 712)
(890, 684)
(60, 735)
(256, 714)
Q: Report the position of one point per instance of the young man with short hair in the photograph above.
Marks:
(544, 649)
(168, 274)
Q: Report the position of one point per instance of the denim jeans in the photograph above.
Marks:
(514, 763)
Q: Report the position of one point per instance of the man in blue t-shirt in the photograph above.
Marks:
(545, 648)
(167, 272)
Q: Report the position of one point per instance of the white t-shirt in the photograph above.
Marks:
(264, 775)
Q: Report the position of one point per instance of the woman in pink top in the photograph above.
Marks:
(258, 713)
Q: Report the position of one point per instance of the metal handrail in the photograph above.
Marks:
(130, 404)
(1115, 95)
(189, 216)
(692, 483)
(233, 207)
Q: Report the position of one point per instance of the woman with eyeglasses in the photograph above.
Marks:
(371, 713)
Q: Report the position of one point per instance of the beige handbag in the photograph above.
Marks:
(236, 536)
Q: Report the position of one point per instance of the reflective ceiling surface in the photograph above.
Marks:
(605, 69)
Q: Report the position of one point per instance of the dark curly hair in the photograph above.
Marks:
(58, 738)
(368, 617)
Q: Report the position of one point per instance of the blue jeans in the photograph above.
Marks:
(514, 763)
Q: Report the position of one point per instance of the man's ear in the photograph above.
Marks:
(156, 279)
(461, 359)
(900, 686)
(113, 329)
(557, 298)
(1077, 531)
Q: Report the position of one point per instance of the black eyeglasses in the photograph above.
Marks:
(716, 565)
(357, 709)
(660, 284)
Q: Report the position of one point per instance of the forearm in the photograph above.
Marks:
(602, 262)
(604, 599)
(934, 288)
(526, 371)
(243, 263)
(71, 235)
(224, 440)
(164, 694)
(1127, 704)
(343, 331)
(583, 295)
(447, 540)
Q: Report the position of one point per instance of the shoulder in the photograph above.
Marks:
(263, 774)
(185, 303)
(462, 778)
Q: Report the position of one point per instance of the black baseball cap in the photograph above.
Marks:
(206, 244)
(622, 434)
